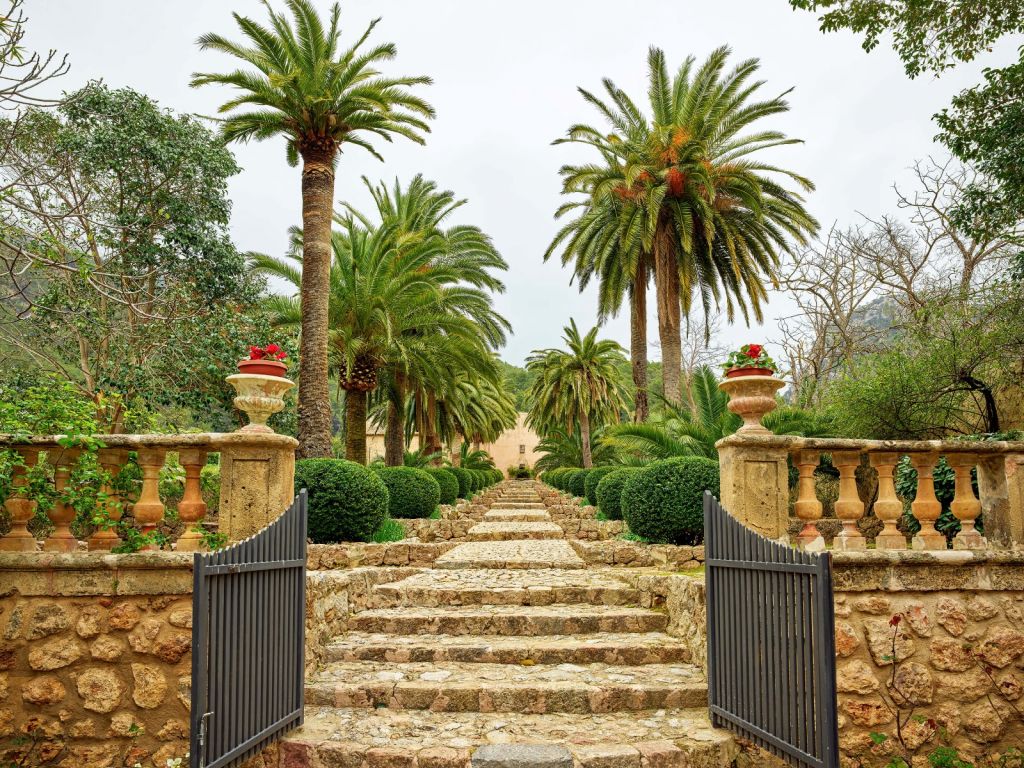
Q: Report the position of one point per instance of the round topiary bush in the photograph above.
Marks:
(664, 502)
(448, 482)
(347, 501)
(577, 484)
(412, 492)
(609, 491)
(565, 477)
(465, 482)
(593, 478)
(550, 476)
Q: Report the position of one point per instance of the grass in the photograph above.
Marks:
(630, 536)
(436, 514)
(390, 530)
(601, 516)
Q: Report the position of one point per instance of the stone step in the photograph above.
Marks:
(539, 688)
(342, 738)
(518, 505)
(508, 620)
(549, 553)
(600, 648)
(542, 586)
(514, 531)
(516, 515)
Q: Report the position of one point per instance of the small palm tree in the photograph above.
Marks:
(577, 388)
(683, 431)
(562, 448)
(298, 84)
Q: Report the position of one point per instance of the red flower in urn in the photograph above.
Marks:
(749, 360)
(264, 361)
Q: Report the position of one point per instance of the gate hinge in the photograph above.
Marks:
(202, 739)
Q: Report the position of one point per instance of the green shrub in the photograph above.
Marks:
(609, 491)
(465, 481)
(560, 477)
(593, 478)
(412, 492)
(577, 484)
(347, 501)
(664, 502)
(209, 484)
(496, 474)
(389, 530)
(448, 481)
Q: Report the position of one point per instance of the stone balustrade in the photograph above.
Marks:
(256, 485)
(755, 482)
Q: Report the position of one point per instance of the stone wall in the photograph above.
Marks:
(636, 555)
(959, 651)
(959, 676)
(357, 555)
(95, 658)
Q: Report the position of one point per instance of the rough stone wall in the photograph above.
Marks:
(95, 659)
(633, 554)
(949, 666)
(682, 598)
(357, 555)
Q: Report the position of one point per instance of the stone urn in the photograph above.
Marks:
(260, 397)
(751, 397)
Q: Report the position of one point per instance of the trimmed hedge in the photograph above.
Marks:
(448, 482)
(593, 478)
(413, 493)
(347, 501)
(609, 491)
(664, 502)
(465, 481)
(577, 484)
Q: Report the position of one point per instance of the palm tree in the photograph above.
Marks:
(686, 431)
(562, 448)
(298, 84)
(581, 386)
(680, 192)
(398, 305)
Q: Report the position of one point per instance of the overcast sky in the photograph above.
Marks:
(505, 76)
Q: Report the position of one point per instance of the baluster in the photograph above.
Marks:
(966, 506)
(20, 508)
(807, 506)
(61, 514)
(191, 508)
(849, 507)
(149, 510)
(926, 506)
(888, 507)
(112, 460)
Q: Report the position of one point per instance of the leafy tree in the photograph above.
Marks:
(984, 125)
(116, 257)
(562, 448)
(300, 85)
(579, 387)
(693, 431)
(680, 191)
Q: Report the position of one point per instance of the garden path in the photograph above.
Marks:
(509, 640)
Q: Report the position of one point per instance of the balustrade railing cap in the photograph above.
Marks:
(212, 441)
(793, 443)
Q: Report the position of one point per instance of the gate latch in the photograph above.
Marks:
(202, 739)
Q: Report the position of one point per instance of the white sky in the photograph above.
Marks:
(505, 76)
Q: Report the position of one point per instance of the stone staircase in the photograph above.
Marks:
(508, 653)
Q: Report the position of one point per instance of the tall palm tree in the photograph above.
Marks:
(693, 431)
(579, 387)
(681, 189)
(298, 84)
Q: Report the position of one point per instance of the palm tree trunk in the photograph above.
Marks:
(394, 436)
(666, 283)
(638, 340)
(433, 442)
(588, 460)
(314, 394)
(355, 426)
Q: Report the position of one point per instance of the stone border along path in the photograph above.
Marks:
(509, 653)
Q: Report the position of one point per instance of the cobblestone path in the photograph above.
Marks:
(509, 640)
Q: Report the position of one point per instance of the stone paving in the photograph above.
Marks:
(508, 644)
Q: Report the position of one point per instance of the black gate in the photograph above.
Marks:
(249, 608)
(771, 642)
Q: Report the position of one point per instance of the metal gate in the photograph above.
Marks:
(771, 642)
(249, 609)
